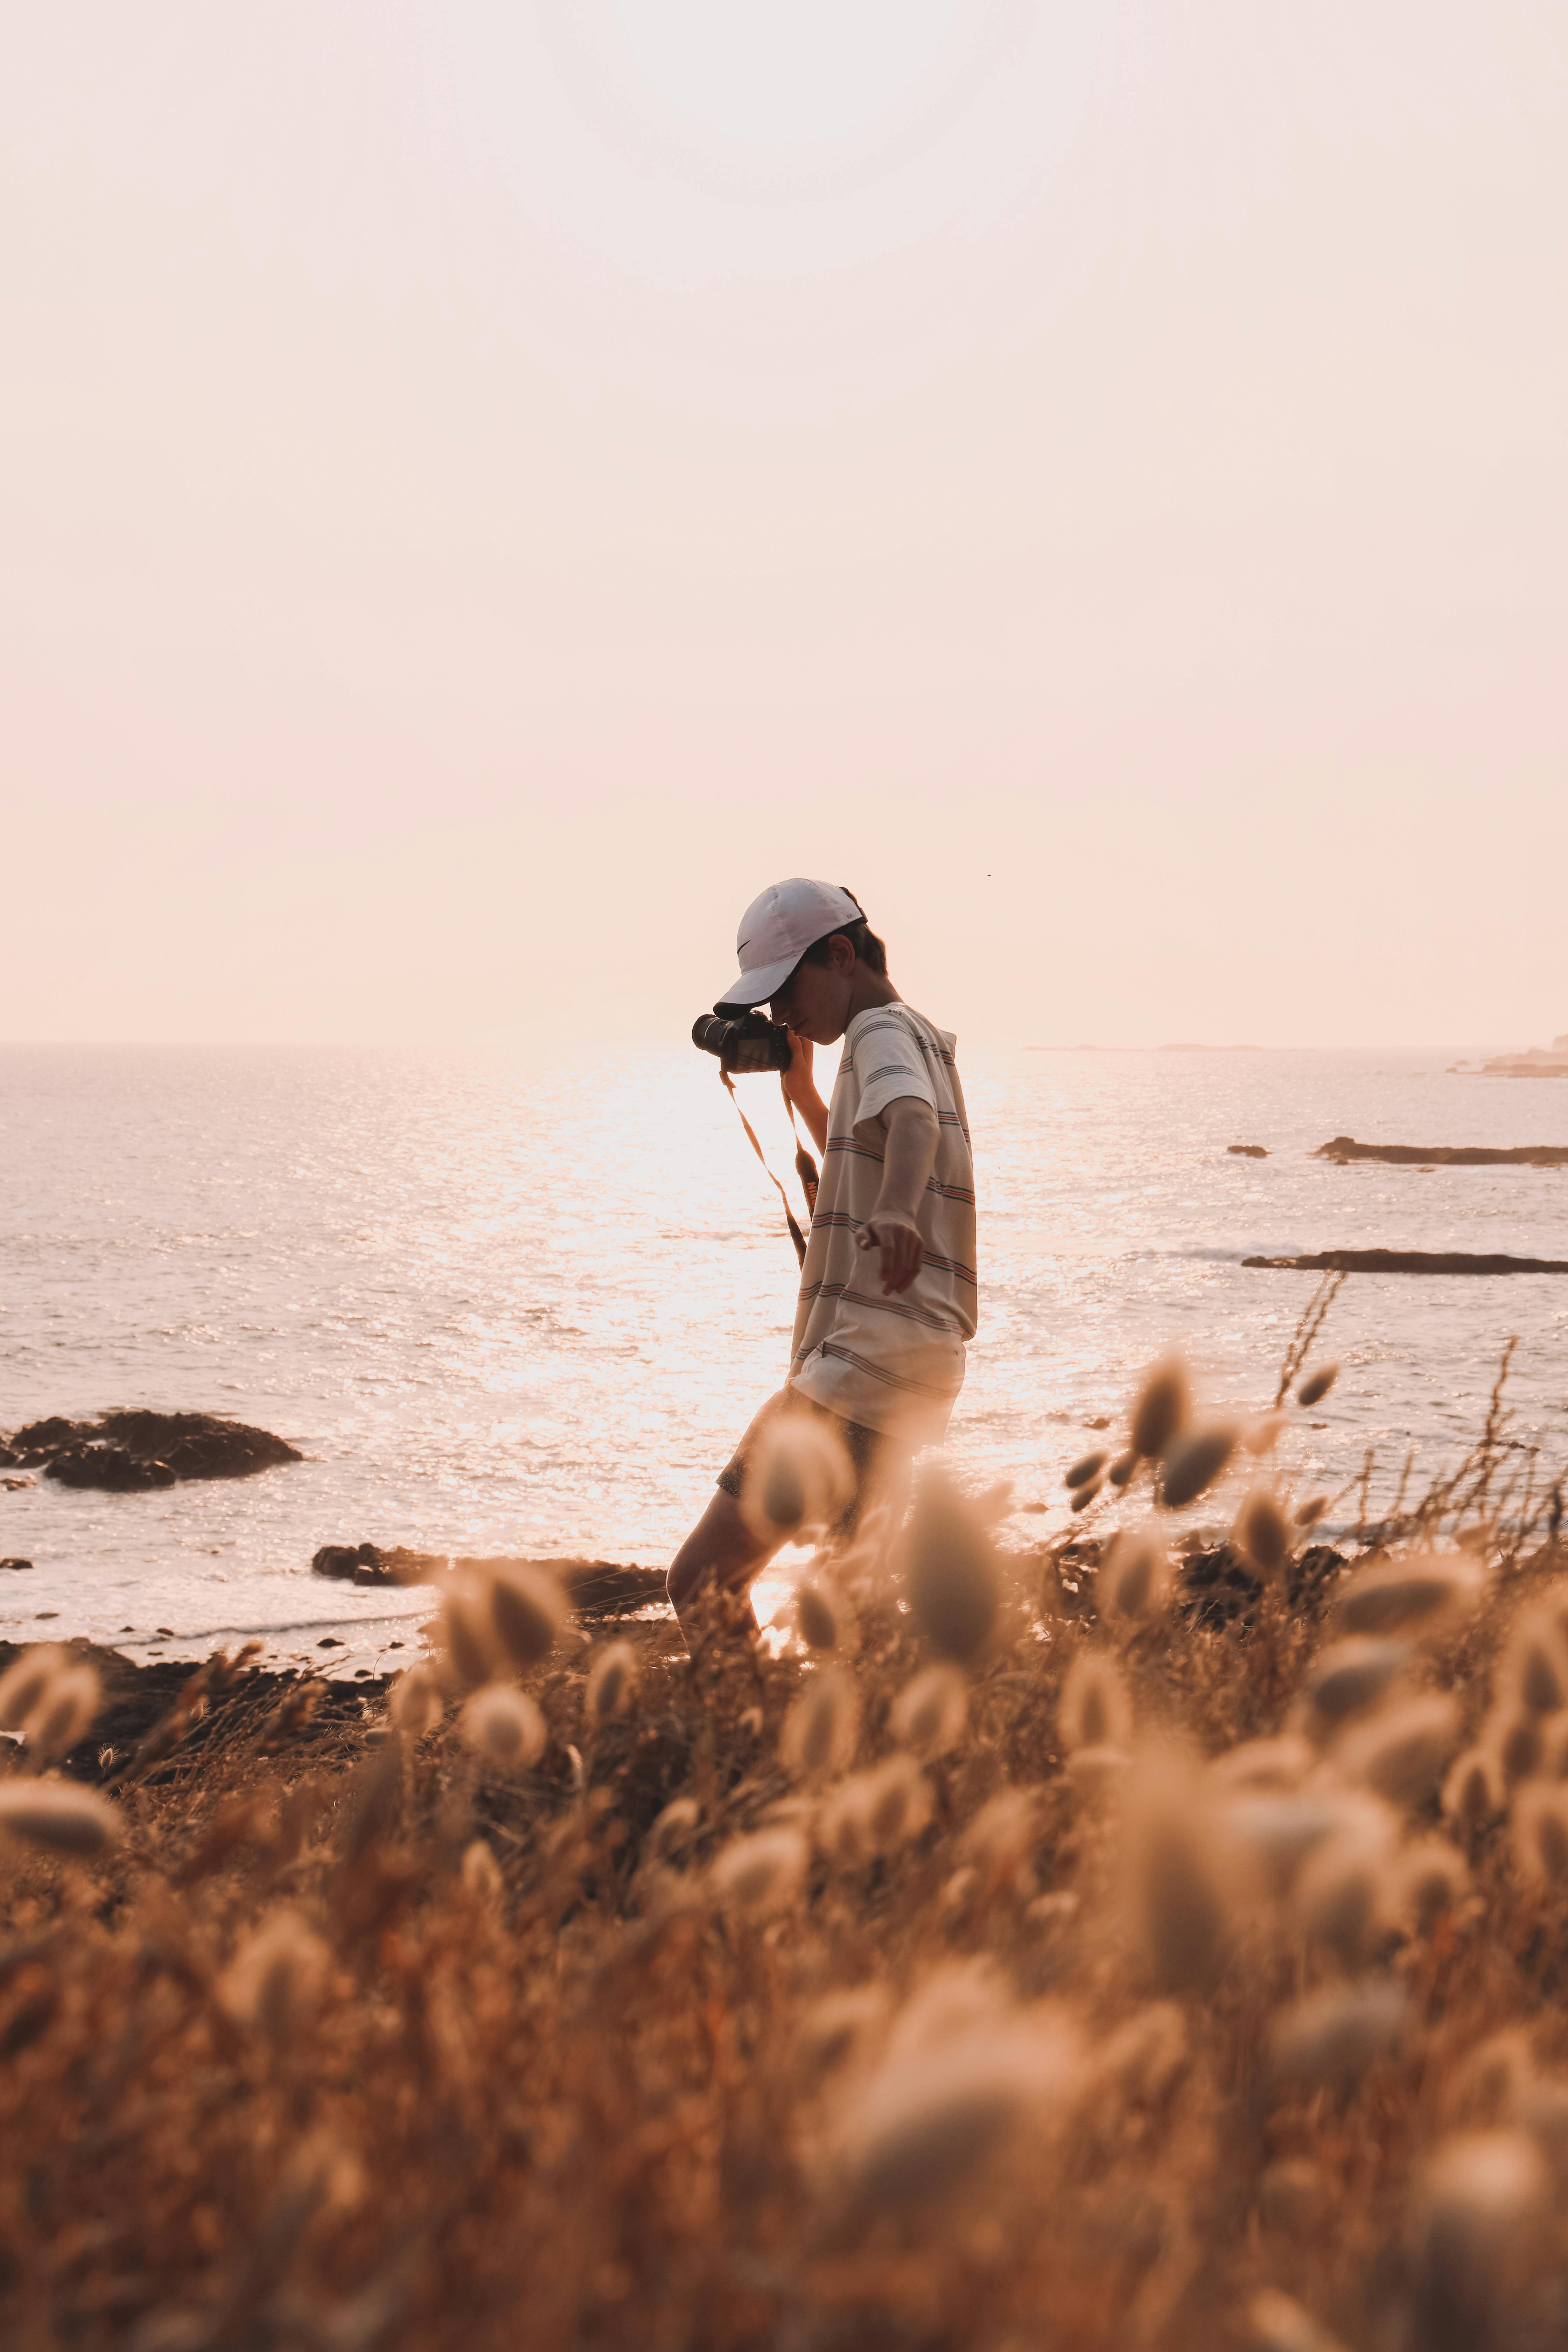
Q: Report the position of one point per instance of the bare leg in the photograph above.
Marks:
(721, 1554)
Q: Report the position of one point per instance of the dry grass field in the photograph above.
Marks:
(1123, 1943)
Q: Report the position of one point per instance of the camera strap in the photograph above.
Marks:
(796, 1236)
(804, 1165)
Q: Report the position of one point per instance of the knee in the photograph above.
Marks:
(682, 1582)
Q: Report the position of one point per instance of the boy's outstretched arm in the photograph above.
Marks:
(912, 1136)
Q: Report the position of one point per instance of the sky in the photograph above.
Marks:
(485, 489)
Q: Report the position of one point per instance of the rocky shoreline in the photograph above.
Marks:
(1344, 1148)
(1387, 1261)
(128, 1453)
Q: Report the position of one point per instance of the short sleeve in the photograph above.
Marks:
(888, 1064)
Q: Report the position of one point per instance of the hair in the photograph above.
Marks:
(867, 946)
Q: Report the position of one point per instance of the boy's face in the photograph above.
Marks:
(815, 999)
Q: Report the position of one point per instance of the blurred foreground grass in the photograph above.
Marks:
(1129, 1943)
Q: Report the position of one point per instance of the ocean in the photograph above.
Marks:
(510, 1302)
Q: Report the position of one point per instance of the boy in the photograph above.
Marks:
(887, 1291)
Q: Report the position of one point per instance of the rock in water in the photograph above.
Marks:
(366, 1563)
(1247, 1150)
(126, 1453)
(1385, 1261)
(1343, 1148)
(199, 1444)
(110, 1468)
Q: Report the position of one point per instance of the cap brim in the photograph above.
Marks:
(754, 988)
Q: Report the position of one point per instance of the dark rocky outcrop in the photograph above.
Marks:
(14, 1563)
(1384, 1261)
(1343, 1148)
(39, 1439)
(138, 1697)
(366, 1563)
(128, 1453)
(594, 1588)
(110, 1468)
(1247, 1151)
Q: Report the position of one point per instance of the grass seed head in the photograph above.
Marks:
(760, 1874)
(1418, 1598)
(1122, 1471)
(838, 2028)
(481, 1873)
(65, 1713)
(1341, 1892)
(1308, 1513)
(27, 1678)
(899, 1803)
(1088, 1466)
(1474, 1793)
(275, 1980)
(816, 1615)
(465, 1634)
(1162, 1409)
(1332, 2036)
(822, 1725)
(954, 1998)
(1277, 1833)
(416, 1704)
(876, 1811)
(58, 1817)
(1517, 1738)
(1262, 1533)
(930, 1713)
(1144, 2055)
(675, 1828)
(1094, 1710)
(930, 2127)
(1179, 1880)
(612, 1681)
(1402, 1752)
(1001, 1838)
(1264, 1435)
(1084, 1496)
(1279, 1764)
(951, 1578)
(1098, 1772)
(1135, 1576)
(528, 1610)
(1540, 1831)
(1433, 1883)
(1349, 1679)
(1291, 2193)
(505, 1728)
(1316, 1386)
(1480, 2191)
(1192, 1463)
(1491, 2081)
(801, 1478)
(1535, 1667)
(1278, 2323)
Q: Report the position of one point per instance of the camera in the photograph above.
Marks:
(752, 1042)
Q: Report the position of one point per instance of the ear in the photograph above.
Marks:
(841, 952)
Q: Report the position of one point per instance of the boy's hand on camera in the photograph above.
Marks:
(799, 1083)
(903, 1252)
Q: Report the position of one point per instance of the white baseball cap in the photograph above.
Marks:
(776, 930)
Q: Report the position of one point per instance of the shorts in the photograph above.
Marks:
(880, 1464)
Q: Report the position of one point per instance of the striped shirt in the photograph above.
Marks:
(888, 1363)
